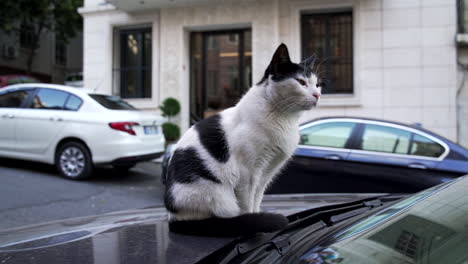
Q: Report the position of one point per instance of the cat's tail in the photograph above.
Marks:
(230, 227)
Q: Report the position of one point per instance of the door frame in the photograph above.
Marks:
(205, 34)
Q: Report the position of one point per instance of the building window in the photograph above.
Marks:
(329, 36)
(135, 63)
(221, 70)
(60, 53)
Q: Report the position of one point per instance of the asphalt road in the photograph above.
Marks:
(33, 193)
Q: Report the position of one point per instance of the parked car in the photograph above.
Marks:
(74, 79)
(355, 155)
(6, 80)
(427, 227)
(342, 154)
(76, 129)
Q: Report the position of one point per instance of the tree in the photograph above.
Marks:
(41, 16)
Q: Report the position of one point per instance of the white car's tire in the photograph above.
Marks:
(73, 161)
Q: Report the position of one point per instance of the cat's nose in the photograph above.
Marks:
(316, 95)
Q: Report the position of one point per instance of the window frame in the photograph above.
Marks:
(357, 134)
(197, 114)
(295, 11)
(328, 39)
(141, 30)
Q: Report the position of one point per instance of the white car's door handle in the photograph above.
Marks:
(8, 115)
(56, 118)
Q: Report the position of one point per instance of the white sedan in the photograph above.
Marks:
(76, 129)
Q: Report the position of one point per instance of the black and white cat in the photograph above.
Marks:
(222, 165)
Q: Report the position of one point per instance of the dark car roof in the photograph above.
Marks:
(137, 236)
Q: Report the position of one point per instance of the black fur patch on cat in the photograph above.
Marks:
(282, 68)
(212, 137)
(186, 167)
(231, 227)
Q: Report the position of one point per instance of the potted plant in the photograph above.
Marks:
(170, 108)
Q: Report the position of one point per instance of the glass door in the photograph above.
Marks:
(221, 70)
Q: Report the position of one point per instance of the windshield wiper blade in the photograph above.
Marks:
(321, 217)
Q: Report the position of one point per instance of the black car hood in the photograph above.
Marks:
(136, 236)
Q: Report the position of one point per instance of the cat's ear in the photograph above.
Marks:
(308, 63)
(281, 55)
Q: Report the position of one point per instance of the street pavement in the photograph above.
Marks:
(32, 193)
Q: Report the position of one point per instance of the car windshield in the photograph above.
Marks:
(429, 227)
(112, 102)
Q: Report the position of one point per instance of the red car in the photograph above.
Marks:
(6, 80)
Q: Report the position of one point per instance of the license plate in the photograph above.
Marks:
(150, 130)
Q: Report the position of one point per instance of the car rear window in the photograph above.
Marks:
(112, 102)
(73, 103)
(423, 146)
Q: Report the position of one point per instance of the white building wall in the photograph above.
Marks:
(404, 52)
(100, 55)
(404, 60)
(176, 23)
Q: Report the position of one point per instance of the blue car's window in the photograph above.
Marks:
(331, 134)
(385, 139)
(422, 146)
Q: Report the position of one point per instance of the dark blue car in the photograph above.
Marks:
(342, 154)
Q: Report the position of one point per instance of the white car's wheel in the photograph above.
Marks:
(73, 161)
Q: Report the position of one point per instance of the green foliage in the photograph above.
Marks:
(21, 80)
(171, 131)
(170, 107)
(41, 16)
(58, 16)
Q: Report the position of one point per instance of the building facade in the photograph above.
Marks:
(462, 90)
(52, 62)
(388, 59)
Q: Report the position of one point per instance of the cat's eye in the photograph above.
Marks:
(301, 82)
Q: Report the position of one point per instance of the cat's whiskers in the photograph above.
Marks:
(278, 107)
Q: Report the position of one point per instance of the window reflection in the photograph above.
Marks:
(49, 99)
(332, 134)
(13, 99)
(432, 230)
(220, 70)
